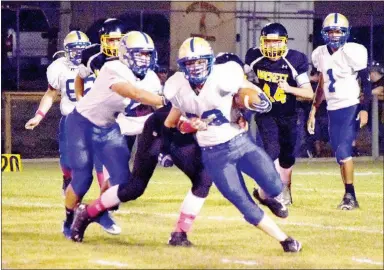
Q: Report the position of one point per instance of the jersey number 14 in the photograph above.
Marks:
(279, 95)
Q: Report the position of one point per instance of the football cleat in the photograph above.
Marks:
(81, 220)
(291, 245)
(274, 204)
(179, 239)
(66, 230)
(108, 224)
(348, 202)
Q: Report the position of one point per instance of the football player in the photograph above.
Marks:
(61, 76)
(92, 122)
(282, 74)
(167, 146)
(203, 93)
(341, 64)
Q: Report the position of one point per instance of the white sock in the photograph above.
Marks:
(192, 204)
(109, 198)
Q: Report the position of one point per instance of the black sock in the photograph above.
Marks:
(69, 214)
(350, 189)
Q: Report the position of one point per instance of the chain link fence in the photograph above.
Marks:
(155, 19)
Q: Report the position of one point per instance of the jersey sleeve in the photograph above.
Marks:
(84, 72)
(86, 56)
(171, 88)
(53, 74)
(251, 55)
(231, 77)
(315, 58)
(356, 56)
(115, 73)
(302, 65)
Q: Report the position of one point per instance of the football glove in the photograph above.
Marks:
(265, 104)
(165, 160)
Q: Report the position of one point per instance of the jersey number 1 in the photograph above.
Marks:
(332, 79)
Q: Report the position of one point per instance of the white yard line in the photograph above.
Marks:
(367, 261)
(223, 218)
(321, 173)
(244, 262)
(339, 191)
(117, 264)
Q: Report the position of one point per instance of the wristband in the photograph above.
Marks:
(39, 112)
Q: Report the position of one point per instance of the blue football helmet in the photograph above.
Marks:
(74, 43)
(195, 60)
(335, 23)
(137, 51)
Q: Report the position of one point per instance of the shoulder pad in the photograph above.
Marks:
(252, 54)
(88, 52)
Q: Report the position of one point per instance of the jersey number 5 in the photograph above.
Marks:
(279, 95)
(332, 79)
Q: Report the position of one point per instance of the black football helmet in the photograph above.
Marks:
(376, 66)
(110, 34)
(273, 40)
(225, 57)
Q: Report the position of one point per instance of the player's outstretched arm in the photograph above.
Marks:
(304, 91)
(79, 87)
(44, 106)
(317, 100)
(126, 89)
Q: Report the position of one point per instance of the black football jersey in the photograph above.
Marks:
(269, 72)
(93, 58)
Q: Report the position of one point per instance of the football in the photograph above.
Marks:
(184, 126)
(245, 97)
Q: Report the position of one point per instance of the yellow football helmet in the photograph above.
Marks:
(137, 51)
(335, 22)
(110, 35)
(196, 59)
(74, 43)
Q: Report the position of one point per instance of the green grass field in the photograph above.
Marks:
(32, 215)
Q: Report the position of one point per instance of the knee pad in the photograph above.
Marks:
(130, 191)
(287, 161)
(254, 216)
(343, 153)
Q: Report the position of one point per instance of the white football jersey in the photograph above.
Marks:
(61, 75)
(339, 71)
(102, 105)
(213, 104)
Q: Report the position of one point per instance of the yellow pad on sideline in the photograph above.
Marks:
(11, 163)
